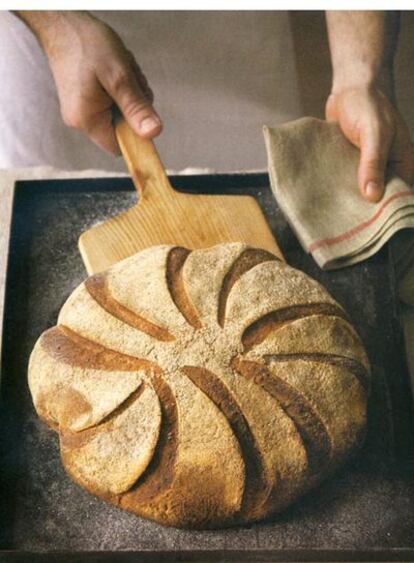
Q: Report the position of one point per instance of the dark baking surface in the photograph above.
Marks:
(364, 512)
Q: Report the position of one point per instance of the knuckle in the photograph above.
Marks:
(134, 107)
(119, 81)
(375, 153)
(374, 170)
(374, 162)
(111, 71)
(125, 89)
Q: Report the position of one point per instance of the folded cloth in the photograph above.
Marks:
(313, 174)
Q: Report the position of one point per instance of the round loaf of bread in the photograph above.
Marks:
(202, 388)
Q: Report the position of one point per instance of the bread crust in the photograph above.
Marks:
(201, 389)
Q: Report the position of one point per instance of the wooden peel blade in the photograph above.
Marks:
(164, 216)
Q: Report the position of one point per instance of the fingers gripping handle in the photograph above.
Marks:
(142, 160)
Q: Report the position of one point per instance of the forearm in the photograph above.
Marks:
(47, 26)
(363, 45)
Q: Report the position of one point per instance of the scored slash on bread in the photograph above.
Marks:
(201, 388)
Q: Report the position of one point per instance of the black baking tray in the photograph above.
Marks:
(364, 512)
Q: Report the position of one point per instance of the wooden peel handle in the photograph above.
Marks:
(143, 162)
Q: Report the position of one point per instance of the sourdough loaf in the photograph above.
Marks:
(201, 388)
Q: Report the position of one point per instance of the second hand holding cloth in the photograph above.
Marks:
(313, 174)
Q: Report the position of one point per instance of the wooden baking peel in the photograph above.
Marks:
(164, 216)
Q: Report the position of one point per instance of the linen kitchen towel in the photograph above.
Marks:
(313, 175)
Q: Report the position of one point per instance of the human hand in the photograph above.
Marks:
(93, 70)
(372, 123)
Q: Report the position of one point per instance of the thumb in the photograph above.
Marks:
(135, 106)
(375, 146)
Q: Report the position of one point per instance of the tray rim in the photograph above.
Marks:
(103, 184)
(209, 556)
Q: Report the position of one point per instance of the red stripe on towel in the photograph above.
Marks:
(348, 234)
